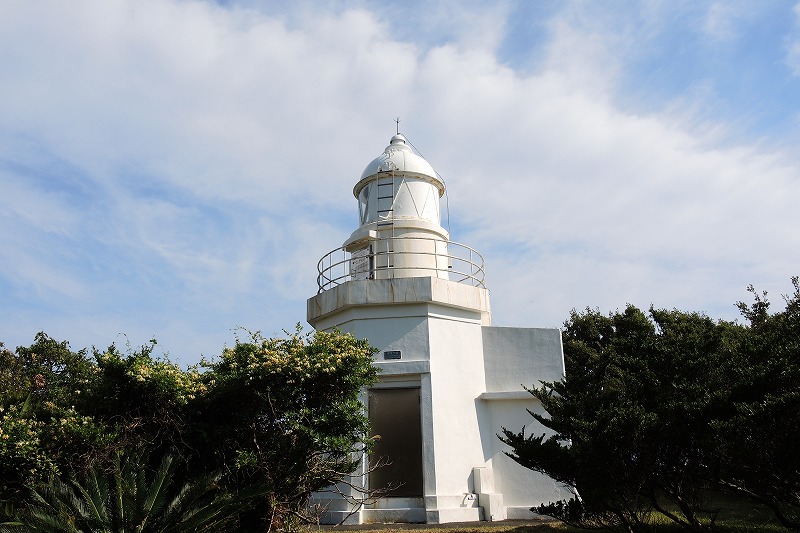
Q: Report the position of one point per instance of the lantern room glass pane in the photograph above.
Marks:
(363, 204)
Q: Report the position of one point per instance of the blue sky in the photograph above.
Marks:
(175, 169)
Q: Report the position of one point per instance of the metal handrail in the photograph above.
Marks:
(464, 264)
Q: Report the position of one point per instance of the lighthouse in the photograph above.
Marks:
(449, 380)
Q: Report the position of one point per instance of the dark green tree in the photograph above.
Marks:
(759, 442)
(633, 421)
(47, 369)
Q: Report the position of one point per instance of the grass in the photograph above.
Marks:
(741, 515)
(736, 515)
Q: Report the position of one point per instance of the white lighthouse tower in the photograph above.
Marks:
(449, 380)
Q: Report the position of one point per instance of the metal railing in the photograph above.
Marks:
(403, 257)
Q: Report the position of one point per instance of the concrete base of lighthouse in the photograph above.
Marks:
(434, 336)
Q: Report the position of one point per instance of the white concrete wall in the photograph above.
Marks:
(411, 252)
(457, 382)
(471, 379)
(514, 357)
(398, 327)
(520, 487)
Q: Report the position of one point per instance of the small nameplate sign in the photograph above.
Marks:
(360, 264)
(391, 354)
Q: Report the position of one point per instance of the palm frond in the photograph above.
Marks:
(156, 493)
(63, 498)
(120, 496)
(94, 493)
(14, 527)
(189, 493)
(42, 521)
(221, 510)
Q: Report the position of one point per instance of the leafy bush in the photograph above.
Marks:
(279, 414)
(285, 413)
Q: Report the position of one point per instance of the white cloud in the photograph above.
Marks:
(208, 153)
(724, 17)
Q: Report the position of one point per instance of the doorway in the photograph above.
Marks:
(396, 458)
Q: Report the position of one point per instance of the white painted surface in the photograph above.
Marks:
(398, 202)
(471, 378)
(519, 486)
(456, 383)
(399, 157)
(471, 375)
(517, 357)
(360, 295)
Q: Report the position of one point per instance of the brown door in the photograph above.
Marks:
(394, 415)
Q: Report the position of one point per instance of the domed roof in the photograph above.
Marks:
(399, 156)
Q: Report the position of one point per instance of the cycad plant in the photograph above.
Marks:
(127, 501)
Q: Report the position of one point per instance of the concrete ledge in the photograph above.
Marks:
(507, 395)
(451, 501)
(397, 291)
(458, 514)
(395, 368)
(411, 515)
(340, 517)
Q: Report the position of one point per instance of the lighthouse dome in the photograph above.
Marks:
(399, 157)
